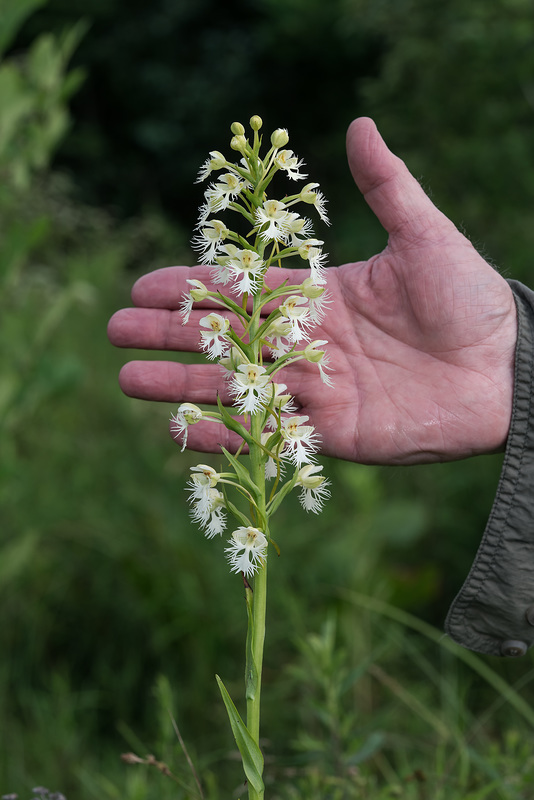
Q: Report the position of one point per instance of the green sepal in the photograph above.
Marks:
(242, 473)
(232, 424)
(250, 752)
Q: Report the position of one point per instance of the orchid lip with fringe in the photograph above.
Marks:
(247, 550)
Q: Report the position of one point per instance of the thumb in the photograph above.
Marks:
(389, 188)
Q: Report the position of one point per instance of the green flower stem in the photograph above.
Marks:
(257, 618)
(256, 622)
(264, 246)
(259, 604)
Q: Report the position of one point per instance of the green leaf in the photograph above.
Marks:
(13, 13)
(71, 38)
(250, 752)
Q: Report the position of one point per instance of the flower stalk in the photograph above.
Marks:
(252, 344)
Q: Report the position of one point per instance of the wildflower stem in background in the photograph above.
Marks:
(263, 412)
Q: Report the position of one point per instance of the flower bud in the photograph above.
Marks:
(295, 223)
(308, 479)
(310, 247)
(310, 290)
(199, 291)
(239, 143)
(190, 413)
(279, 400)
(187, 414)
(313, 355)
(279, 137)
(226, 363)
(204, 474)
(307, 195)
(256, 122)
(237, 129)
(217, 161)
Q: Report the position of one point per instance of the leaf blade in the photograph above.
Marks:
(250, 752)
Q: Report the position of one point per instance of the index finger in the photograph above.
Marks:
(165, 287)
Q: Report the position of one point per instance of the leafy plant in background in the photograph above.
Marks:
(35, 86)
(449, 137)
(34, 89)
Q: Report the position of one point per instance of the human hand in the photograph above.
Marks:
(421, 337)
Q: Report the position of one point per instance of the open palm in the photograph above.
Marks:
(421, 337)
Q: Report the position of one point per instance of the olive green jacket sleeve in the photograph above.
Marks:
(494, 610)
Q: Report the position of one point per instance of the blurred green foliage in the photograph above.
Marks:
(33, 94)
(105, 586)
(455, 93)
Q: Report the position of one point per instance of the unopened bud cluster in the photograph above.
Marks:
(239, 331)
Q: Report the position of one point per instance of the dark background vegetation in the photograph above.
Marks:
(111, 601)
